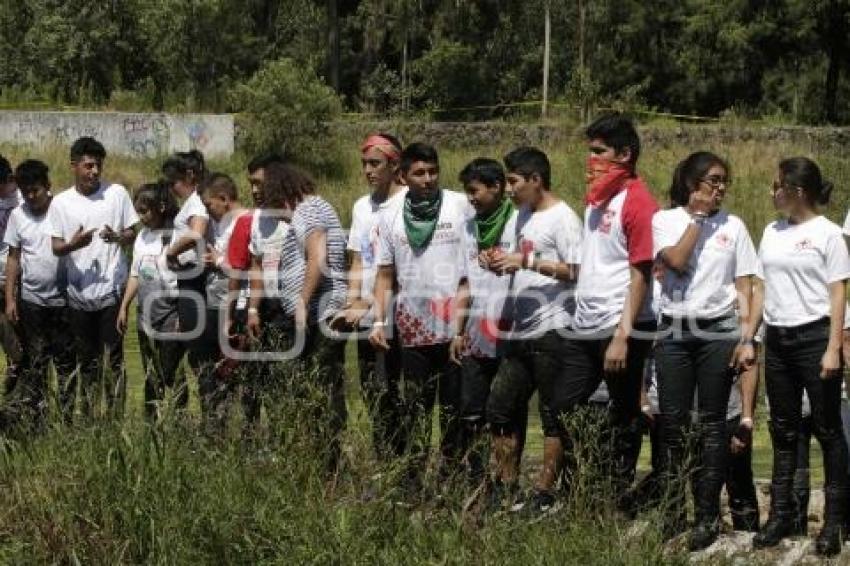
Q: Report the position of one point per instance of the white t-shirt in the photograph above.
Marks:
(96, 273)
(541, 303)
(488, 293)
(268, 234)
(616, 236)
(363, 238)
(42, 273)
(427, 279)
(797, 264)
(7, 205)
(723, 252)
(217, 279)
(192, 207)
(157, 298)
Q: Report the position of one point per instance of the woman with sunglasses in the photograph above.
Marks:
(707, 258)
(804, 265)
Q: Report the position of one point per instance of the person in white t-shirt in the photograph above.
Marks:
(184, 171)
(613, 326)
(10, 197)
(380, 371)
(223, 309)
(707, 259)
(490, 232)
(35, 301)
(90, 224)
(422, 252)
(543, 262)
(804, 265)
(156, 288)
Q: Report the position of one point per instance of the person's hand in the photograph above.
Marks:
(81, 238)
(743, 437)
(121, 321)
(457, 348)
(211, 257)
(378, 338)
(743, 357)
(701, 201)
(615, 355)
(484, 258)
(253, 326)
(505, 263)
(830, 363)
(109, 235)
(300, 315)
(12, 312)
(355, 312)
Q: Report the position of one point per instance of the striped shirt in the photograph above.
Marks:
(311, 214)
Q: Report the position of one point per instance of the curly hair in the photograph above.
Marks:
(286, 185)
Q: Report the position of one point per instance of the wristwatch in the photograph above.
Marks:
(699, 218)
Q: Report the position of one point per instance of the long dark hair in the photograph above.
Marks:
(186, 166)
(156, 196)
(804, 173)
(689, 172)
(286, 185)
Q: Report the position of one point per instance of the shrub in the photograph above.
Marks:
(285, 108)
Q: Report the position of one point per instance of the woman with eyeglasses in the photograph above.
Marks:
(707, 258)
(804, 265)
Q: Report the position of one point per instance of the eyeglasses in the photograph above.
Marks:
(717, 181)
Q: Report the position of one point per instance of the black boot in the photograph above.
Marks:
(703, 535)
(801, 502)
(780, 522)
(829, 540)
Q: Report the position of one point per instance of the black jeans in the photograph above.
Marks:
(313, 386)
(694, 356)
(260, 378)
(584, 361)
(96, 338)
(540, 363)
(44, 340)
(380, 378)
(792, 362)
(161, 364)
(428, 376)
(743, 501)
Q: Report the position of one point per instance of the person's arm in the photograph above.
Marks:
(198, 226)
(383, 295)
(461, 318)
(129, 294)
(676, 257)
(831, 360)
(13, 271)
(513, 262)
(744, 352)
(258, 289)
(80, 239)
(356, 305)
(315, 252)
(615, 354)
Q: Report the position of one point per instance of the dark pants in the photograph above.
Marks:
(584, 361)
(743, 501)
(689, 362)
(535, 363)
(428, 376)
(792, 362)
(44, 339)
(11, 343)
(96, 338)
(260, 379)
(161, 364)
(380, 377)
(478, 376)
(311, 389)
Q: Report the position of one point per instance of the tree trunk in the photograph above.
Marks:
(547, 32)
(333, 43)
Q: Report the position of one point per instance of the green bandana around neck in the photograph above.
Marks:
(420, 217)
(488, 230)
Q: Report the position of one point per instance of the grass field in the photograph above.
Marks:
(132, 493)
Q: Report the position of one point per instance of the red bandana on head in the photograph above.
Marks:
(604, 179)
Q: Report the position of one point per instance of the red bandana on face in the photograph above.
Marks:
(604, 179)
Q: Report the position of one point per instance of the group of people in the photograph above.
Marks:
(473, 301)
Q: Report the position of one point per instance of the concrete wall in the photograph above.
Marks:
(135, 135)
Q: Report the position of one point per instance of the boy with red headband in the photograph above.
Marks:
(613, 324)
(380, 370)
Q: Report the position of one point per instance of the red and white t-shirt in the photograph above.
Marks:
(706, 287)
(488, 291)
(616, 236)
(797, 263)
(428, 279)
